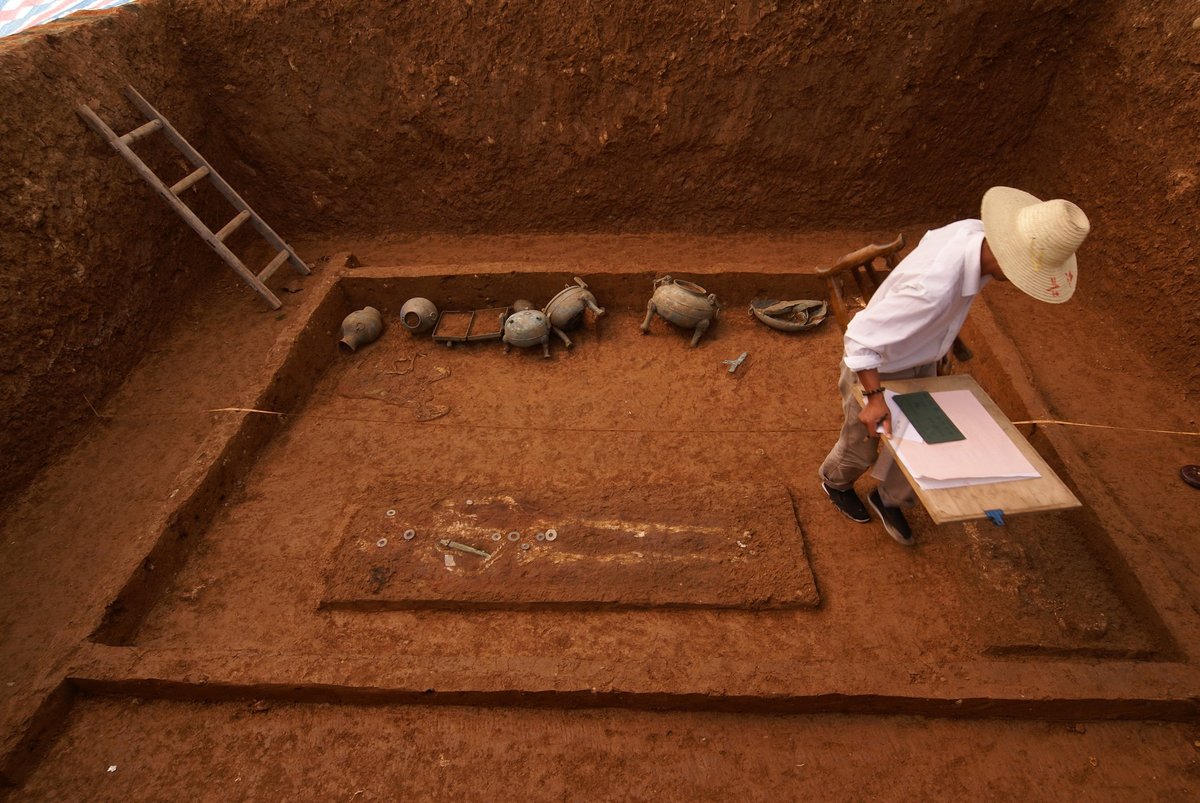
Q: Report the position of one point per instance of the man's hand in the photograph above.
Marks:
(875, 413)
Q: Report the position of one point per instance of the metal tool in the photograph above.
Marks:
(464, 548)
(734, 363)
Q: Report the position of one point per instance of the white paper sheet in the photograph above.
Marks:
(987, 455)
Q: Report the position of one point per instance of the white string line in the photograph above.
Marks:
(393, 422)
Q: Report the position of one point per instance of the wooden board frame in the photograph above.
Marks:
(970, 502)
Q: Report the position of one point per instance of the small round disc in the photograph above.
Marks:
(524, 547)
(540, 536)
(514, 536)
(390, 514)
(496, 536)
(381, 543)
(551, 534)
(1191, 475)
(410, 535)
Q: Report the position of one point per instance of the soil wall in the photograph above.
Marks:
(348, 117)
(1119, 137)
(92, 259)
(491, 115)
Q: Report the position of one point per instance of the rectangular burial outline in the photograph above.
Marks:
(373, 567)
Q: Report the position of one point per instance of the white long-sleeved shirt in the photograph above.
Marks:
(918, 310)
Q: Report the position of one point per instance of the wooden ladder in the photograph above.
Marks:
(203, 170)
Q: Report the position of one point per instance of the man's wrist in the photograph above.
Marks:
(872, 392)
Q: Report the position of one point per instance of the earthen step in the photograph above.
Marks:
(189, 180)
(141, 131)
(273, 266)
(232, 226)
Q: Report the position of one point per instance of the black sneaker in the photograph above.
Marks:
(893, 519)
(848, 502)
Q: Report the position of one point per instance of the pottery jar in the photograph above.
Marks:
(360, 328)
(418, 315)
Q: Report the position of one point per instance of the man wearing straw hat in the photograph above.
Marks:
(917, 312)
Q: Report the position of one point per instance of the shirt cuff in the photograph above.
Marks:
(862, 361)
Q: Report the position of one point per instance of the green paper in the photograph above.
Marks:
(928, 418)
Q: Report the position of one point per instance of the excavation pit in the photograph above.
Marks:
(481, 152)
(620, 435)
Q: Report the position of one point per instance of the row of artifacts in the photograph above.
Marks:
(682, 303)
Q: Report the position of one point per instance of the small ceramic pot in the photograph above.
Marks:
(418, 315)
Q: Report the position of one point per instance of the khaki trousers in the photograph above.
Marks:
(856, 450)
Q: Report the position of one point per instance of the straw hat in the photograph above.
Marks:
(1035, 241)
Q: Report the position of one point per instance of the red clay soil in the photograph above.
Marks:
(575, 116)
(154, 547)
(132, 750)
(619, 408)
(1033, 602)
(616, 117)
(95, 263)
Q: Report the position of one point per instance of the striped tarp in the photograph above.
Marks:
(17, 15)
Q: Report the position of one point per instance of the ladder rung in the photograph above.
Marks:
(232, 226)
(170, 194)
(141, 131)
(273, 266)
(189, 180)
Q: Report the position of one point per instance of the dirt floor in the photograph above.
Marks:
(591, 434)
(238, 613)
(132, 749)
(205, 586)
